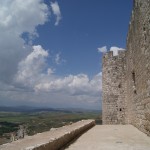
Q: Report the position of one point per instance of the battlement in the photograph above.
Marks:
(109, 55)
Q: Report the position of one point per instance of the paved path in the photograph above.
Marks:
(112, 137)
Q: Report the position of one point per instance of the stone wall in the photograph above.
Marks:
(51, 140)
(133, 72)
(138, 66)
(114, 104)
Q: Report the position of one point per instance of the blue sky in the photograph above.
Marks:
(51, 51)
(85, 26)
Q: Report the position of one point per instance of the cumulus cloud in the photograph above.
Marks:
(31, 75)
(32, 66)
(56, 11)
(73, 84)
(22, 16)
(25, 75)
(18, 17)
(102, 49)
(115, 50)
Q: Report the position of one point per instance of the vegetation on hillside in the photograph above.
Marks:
(36, 122)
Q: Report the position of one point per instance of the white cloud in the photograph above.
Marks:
(24, 68)
(58, 60)
(73, 85)
(115, 50)
(16, 18)
(50, 71)
(22, 16)
(102, 49)
(56, 11)
(32, 66)
(31, 74)
(35, 74)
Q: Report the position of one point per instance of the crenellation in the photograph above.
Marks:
(108, 55)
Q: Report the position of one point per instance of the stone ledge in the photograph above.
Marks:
(51, 140)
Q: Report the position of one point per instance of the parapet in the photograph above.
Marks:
(109, 55)
(51, 140)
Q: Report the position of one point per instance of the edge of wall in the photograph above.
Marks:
(53, 139)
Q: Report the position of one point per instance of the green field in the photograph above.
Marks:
(37, 122)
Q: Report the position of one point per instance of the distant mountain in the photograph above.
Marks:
(24, 109)
(38, 109)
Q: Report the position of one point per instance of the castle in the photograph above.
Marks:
(126, 99)
(126, 77)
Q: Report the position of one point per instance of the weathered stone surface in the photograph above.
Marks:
(114, 77)
(112, 137)
(133, 74)
(138, 61)
(51, 140)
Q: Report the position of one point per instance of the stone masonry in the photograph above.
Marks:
(114, 71)
(55, 139)
(126, 77)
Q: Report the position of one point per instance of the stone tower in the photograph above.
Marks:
(114, 75)
(126, 77)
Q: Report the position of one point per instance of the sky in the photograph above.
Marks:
(51, 51)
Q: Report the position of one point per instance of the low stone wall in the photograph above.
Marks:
(51, 140)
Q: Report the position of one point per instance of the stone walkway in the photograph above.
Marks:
(112, 137)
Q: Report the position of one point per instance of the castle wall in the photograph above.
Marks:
(131, 69)
(138, 66)
(114, 104)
